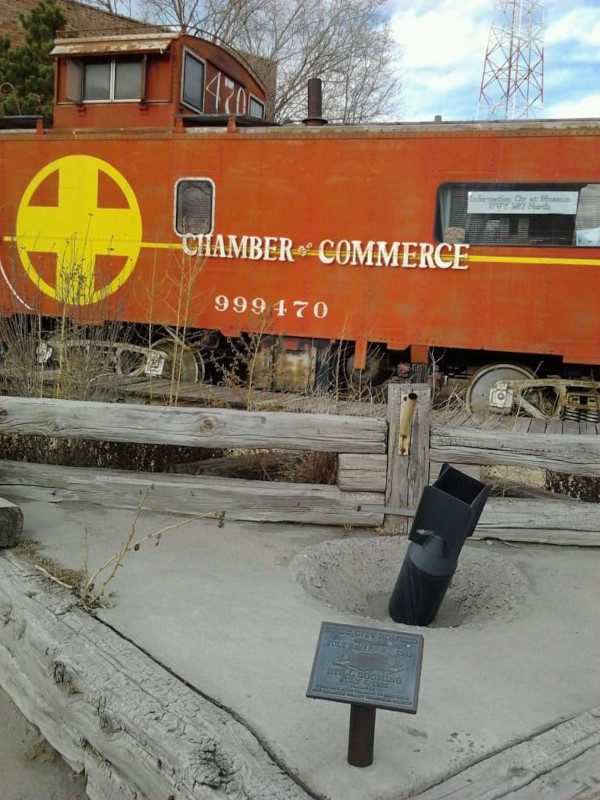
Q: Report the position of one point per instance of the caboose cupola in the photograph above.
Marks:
(149, 80)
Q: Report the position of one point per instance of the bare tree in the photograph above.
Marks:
(345, 42)
(116, 7)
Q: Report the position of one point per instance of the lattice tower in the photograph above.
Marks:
(512, 86)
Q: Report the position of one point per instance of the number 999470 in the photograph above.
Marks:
(282, 308)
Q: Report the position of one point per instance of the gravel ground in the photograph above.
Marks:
(29, 768)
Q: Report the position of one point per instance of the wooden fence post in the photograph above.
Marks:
(408, 474)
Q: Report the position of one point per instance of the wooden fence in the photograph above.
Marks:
(354, 438)
(374, 477)
(552, 519)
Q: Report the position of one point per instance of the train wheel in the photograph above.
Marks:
(129, 364)
(182, 363)
(373, 374)
(478, 390)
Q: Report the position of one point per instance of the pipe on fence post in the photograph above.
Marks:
(407, 412)
(407, 472)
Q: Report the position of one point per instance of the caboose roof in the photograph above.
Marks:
(111, 45)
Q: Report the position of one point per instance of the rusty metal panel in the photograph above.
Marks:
(157, 43)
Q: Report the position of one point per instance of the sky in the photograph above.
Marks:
(443, 45)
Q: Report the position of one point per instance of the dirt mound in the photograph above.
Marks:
(358, 575)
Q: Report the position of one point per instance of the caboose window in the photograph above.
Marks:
(194, 206)
(192, 85)
(110, 79)
(97, 79)
(256, 108)
(545, 215)
(128, 79)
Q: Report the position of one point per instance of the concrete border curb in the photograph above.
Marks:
(139, 732)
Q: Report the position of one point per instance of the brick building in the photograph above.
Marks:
(79, 16)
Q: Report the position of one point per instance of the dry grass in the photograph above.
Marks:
(390, 530)
(269, 465)
(40, 750)
(30, 550)
(91, 589)
(97, 454)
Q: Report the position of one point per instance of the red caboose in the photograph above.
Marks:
(162, 196)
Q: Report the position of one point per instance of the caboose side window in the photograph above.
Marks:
(544, 215)
(97, 79)
(194, 199)
(192, 84)
(112, 79)
(256, 108)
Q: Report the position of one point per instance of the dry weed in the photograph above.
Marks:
(64, 576)
(91, 589)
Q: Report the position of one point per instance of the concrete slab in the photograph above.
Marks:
(224, 609)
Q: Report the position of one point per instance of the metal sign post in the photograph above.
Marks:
(361, 737)
(369, 668)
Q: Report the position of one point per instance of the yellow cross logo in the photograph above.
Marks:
(77, 230)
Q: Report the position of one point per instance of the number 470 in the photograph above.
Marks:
(299, 306)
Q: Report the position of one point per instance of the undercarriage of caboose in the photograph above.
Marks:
(42, 346)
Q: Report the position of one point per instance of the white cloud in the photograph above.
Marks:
(444, 44)
(588, 106)
(580, 26)
(443, 47)
(449, 33)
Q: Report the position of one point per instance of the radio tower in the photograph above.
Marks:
(512, 86)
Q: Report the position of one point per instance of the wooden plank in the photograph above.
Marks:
(102, 703)
(362, 473)
(570, 427)
(262, 501)
(208, 428)
(407, 475)
(541, 520)
(576, 455)
(455, 416)
(11, 523)
(587, 428)
(460, 418)
(479, 420)
(554, 426)
(574, 780)
(473, 470)
(256, 399)
(519, 424)
(557, 763)
(538, 426)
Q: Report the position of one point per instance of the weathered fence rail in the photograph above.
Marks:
(262, 501)
(553, 519)
(192, 427)
(573, 454)
(375, 476)
(360, 440)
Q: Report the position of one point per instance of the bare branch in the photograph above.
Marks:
(347, 43)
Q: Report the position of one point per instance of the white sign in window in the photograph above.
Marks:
(539, 202)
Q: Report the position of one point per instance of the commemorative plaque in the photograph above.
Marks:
(369, 668)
